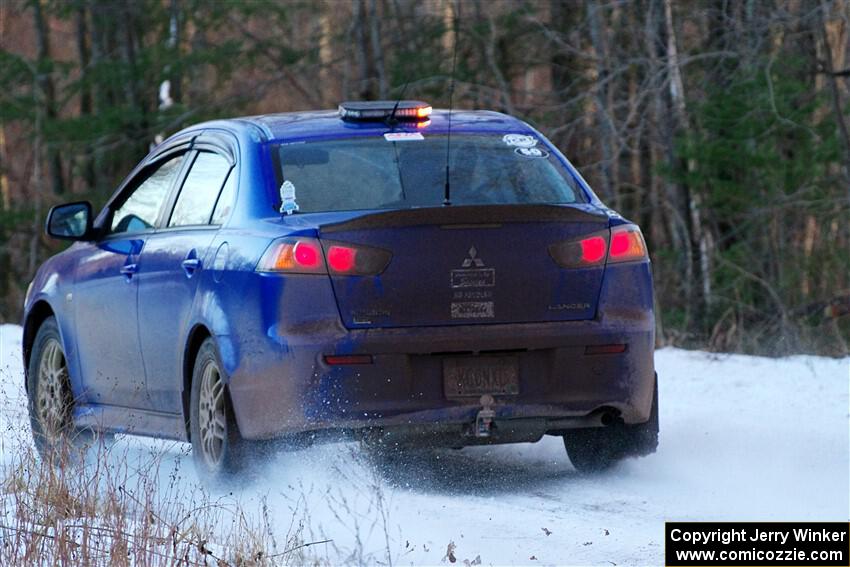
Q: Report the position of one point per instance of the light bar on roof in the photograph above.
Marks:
(364, 111)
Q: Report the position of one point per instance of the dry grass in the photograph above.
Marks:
(131, 502)
(136, 502)
(88, 506)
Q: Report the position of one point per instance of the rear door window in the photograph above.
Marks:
(225, 199)
(201, 190)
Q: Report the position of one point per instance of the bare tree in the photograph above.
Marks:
(46, 86)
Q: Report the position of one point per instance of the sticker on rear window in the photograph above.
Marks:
(287, 198)
(531, 152)
(403, 136)
(519, 140)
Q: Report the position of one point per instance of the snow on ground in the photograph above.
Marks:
(743, 438)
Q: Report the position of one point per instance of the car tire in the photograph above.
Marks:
(217, 447)
(599, 448)
(51, 402)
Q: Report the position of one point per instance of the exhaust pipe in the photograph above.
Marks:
(605, 417)
(608, 418)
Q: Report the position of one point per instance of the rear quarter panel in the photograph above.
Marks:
(255, 318)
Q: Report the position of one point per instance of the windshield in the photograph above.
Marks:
(409, 170)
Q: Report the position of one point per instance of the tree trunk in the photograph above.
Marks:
(691, 194)
(604, 109)
(86, 158)
(5, 197)
(490, 57)
(661, 141)
(102, 96)
(175, 39)
(48, 92)
(377, 49)
(37, 181)
(326, 56)
(127, 44)
(835, 93)
(449, 13)
(361, 51)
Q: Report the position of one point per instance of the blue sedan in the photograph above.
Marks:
(409, 276)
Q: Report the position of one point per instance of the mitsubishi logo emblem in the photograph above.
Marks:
(473, 274)
(473, 259)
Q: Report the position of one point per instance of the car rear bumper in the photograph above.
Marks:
(286, 387)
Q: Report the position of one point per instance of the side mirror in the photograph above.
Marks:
(72, 221)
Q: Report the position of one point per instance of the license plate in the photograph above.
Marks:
(468, 377)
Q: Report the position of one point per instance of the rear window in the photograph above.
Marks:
(380, 173)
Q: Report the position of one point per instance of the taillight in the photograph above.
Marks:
(587, 252)
(297, 255)
(307, 255)
(627, 244)
(623, 244)
(342, 258)
(346, 259)
(592, 249)
(293, 255)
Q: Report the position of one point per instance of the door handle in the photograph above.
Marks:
(127, 270)
(191, 265)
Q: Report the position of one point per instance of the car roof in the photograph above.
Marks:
(327, 123)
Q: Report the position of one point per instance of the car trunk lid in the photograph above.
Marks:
(464, 265)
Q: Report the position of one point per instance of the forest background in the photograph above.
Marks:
(721, 126)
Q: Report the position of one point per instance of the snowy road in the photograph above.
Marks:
(742, 438)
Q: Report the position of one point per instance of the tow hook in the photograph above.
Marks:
(485, 417)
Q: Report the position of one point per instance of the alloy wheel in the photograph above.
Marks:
(52, 405)
(212, 419)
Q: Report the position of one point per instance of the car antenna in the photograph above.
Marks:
(447, 192)
(391, 121)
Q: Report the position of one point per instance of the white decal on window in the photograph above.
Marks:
(532, 152)
(403, 136)
(519, 140)
(287, 198)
